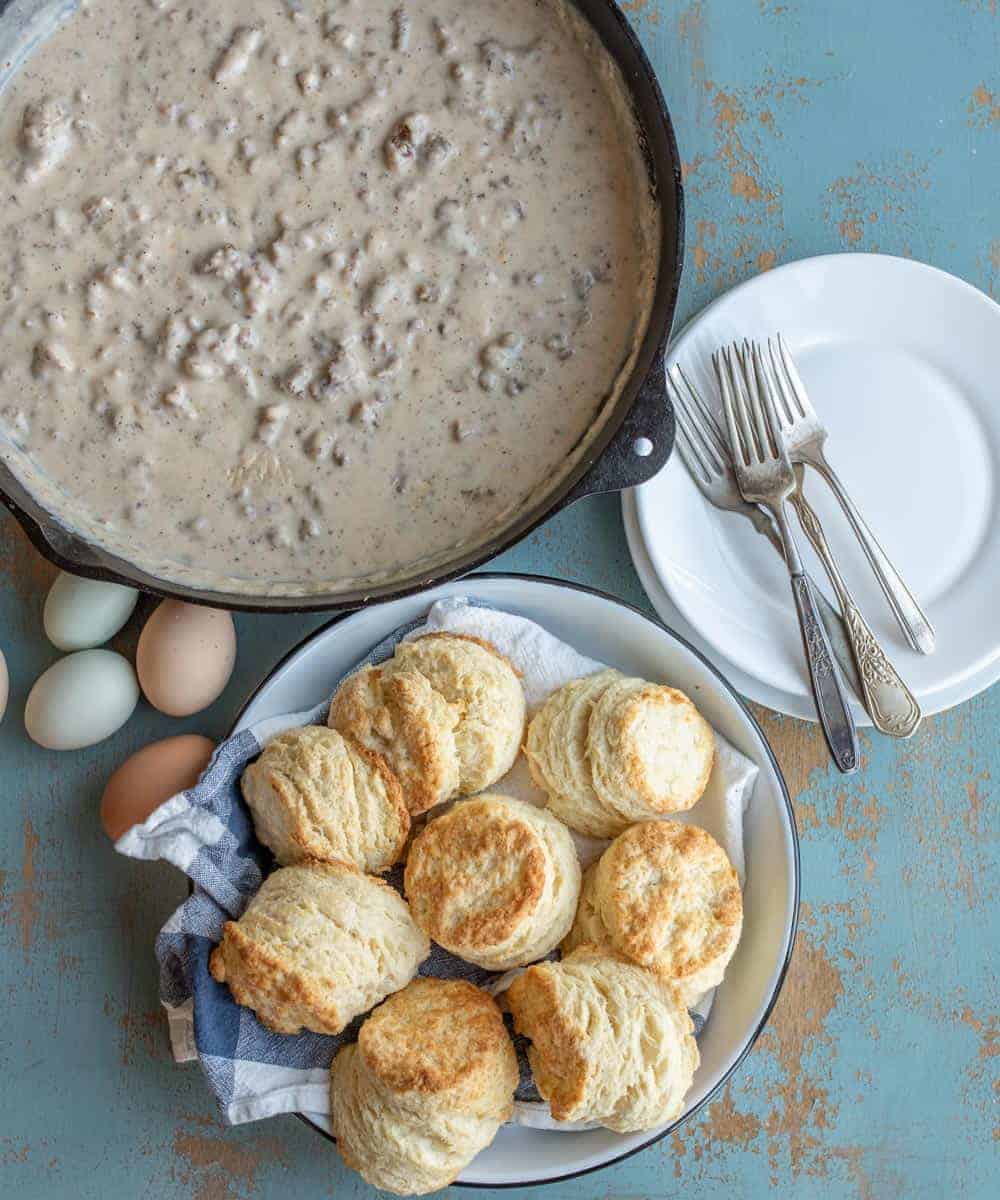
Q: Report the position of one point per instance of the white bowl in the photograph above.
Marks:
(614, 632)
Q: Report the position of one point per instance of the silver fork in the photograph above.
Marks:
(804, 435)
(765, 476)
(892, 706)
(703, 447)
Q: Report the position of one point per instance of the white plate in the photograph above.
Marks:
(789, 703)
(666, 610)
(614, 633)
(903, 364)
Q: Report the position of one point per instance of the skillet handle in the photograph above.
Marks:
(640, 448)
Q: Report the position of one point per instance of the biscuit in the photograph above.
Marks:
(495, 881)
(587, 927)
(473, 675)
(314, 794)
(426, 1087)
(318, 944)
(556, 750)
(665, 895)
(399, 716)
(650, 750)
(611, 1042)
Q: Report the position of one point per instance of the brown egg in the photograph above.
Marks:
(185, 657)
(149, 777)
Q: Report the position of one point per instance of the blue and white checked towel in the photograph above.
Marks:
(207, 833)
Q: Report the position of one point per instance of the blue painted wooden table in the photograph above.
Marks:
(805, 127)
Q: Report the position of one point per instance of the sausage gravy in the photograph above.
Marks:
(304, 292)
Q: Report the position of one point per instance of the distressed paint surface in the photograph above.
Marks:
(804, 128)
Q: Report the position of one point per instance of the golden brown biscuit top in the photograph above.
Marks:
(599, 1026)
(318, 944)
(650, 750)
(307, 752)
(475, 874)
(434, 1035)
(445, 636)
(649, 771)
(669, 895)
(472, 674)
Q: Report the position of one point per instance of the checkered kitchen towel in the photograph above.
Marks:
(207, 832)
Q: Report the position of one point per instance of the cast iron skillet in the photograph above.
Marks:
(634, 444)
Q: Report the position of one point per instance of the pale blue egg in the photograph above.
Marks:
(80, 613)
(81, 699)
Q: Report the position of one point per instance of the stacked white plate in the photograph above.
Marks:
(902, 362)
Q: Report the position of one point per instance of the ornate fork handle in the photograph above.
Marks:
(893, 708)
(912, 620)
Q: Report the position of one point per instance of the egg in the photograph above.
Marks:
(80, 700)
(149, 777)
(185, 657)
(80, 613)
(4, 685)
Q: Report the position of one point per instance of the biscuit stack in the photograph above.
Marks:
(446, 712)
(496, 881)
(426, 1087)
(316, 795)
(319, 944)
(609, 750)
(610, 1041)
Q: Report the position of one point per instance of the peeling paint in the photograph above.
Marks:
(800, 748)
(700, 254)
(802, 1108)
(146, 1031)
(645, 9)
(797, 1130)
(989, 7)
(986, 1028)
(745, 186)
(691, 34)
(848, 201)
(219, 1168)
(983, 108)
(21, 907)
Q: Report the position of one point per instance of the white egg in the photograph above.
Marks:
(80, 700)
(4, 685)
(80, 613)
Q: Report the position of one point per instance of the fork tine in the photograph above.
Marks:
(690, 455)
(770, 410)
(785, 401)
(709, 422)
(695, 434)
(723, 371)
(795, 380)
(755, 384)
(744, 404)
(690, 448)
